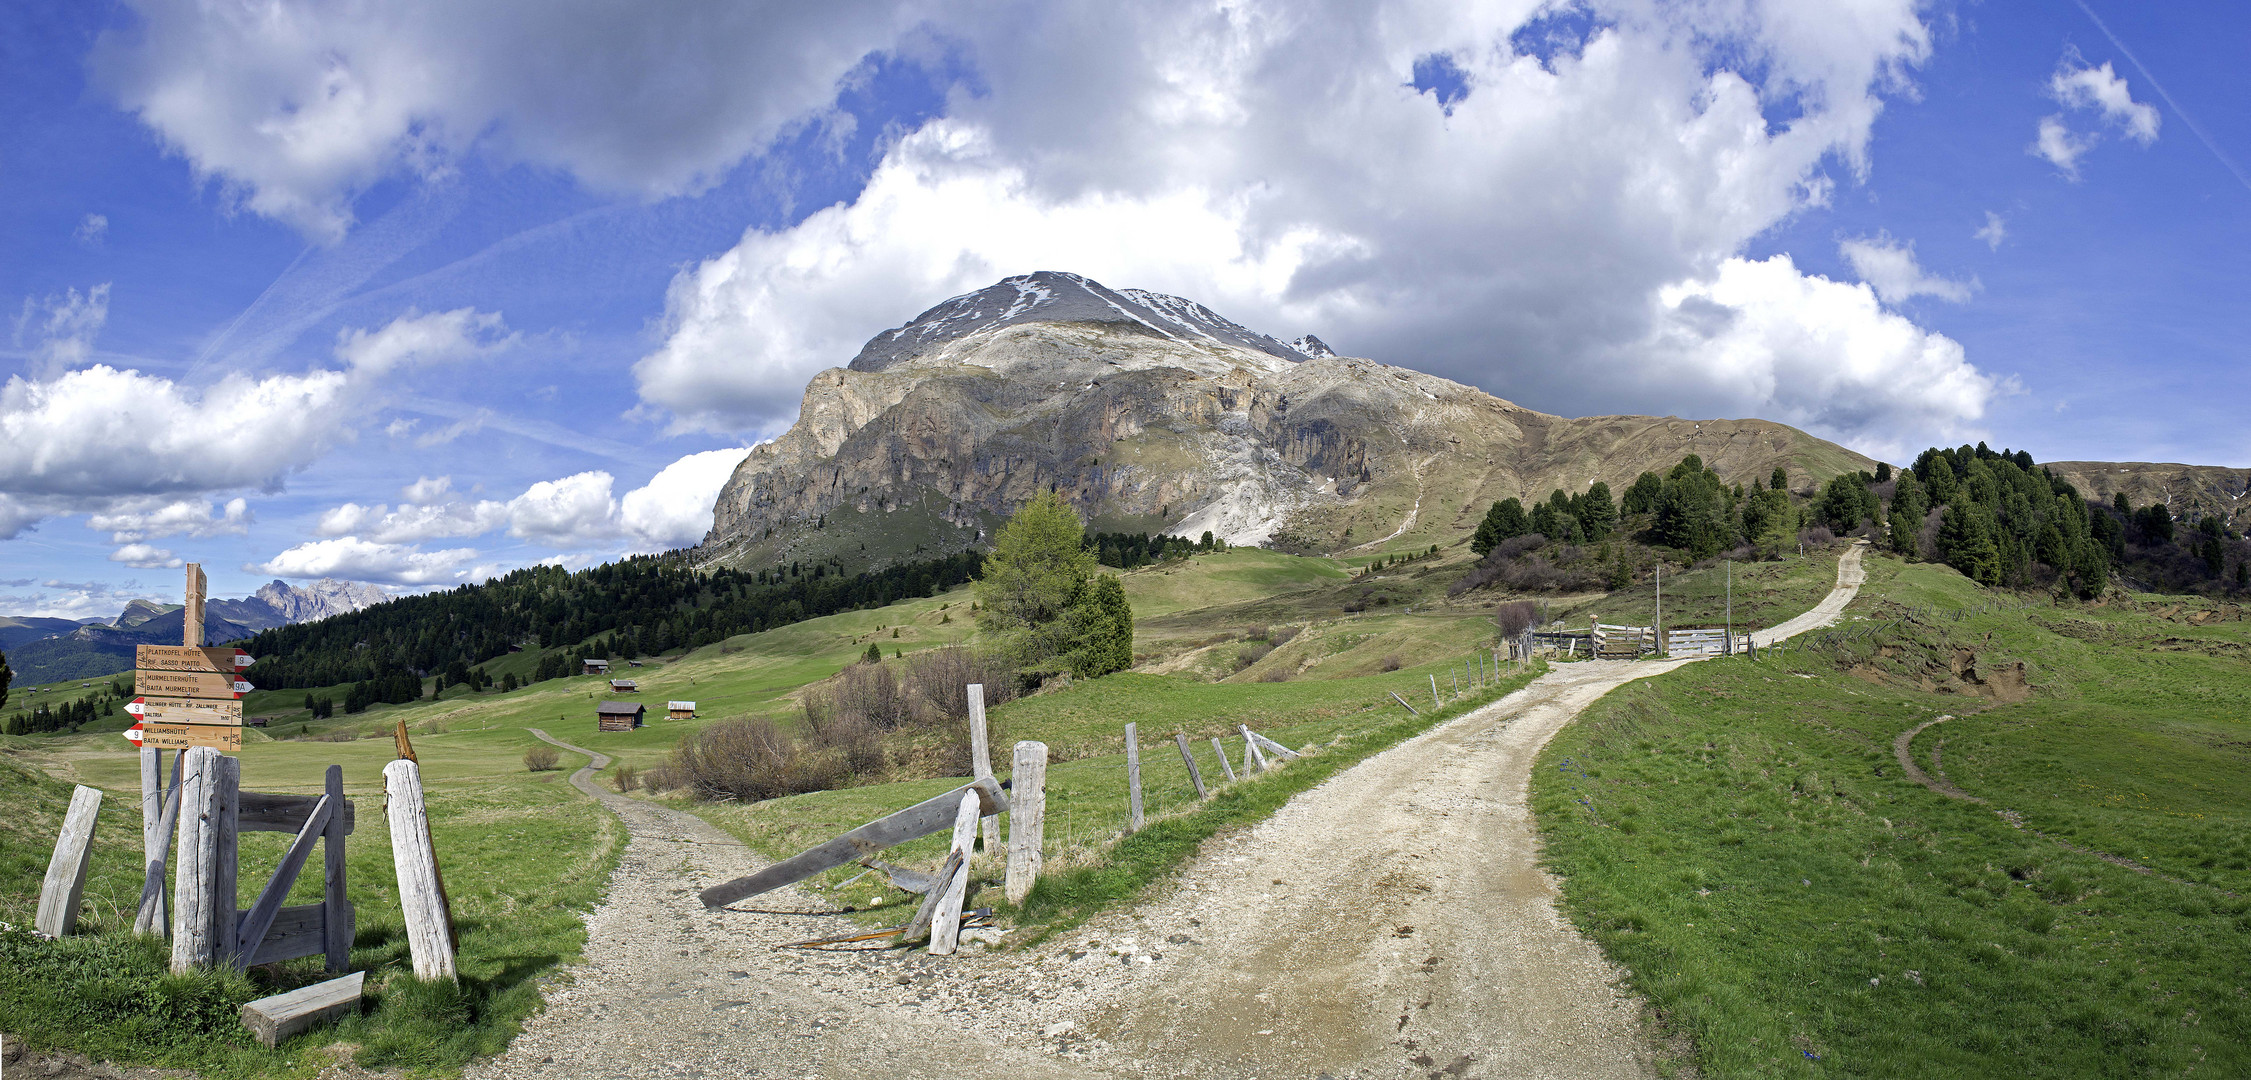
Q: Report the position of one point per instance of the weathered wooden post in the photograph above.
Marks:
(65, 886)
(155, 839)
(1133, 776)
(1434, 703)
(154, 916)
(981, 758)
(1251, 753)
(1027, 818)
(945, 920)
(337, 915)
(203, 897)
(1195, 775)
(428, 924)
(1220, 752)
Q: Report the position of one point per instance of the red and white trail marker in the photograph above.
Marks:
(133, 734)
(134, 707)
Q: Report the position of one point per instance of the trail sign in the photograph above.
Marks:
(195, 684)
(133, 734)
(191, 620)
(189, 658)
(173, 710)
(223, 737)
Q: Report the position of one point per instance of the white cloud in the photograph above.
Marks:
(354, 559)
(1890, 268)
(2100, 89)
(91, 230)
(674, 508)
(1820, 354)
(1258, 160)
(120, 442)
(2103, 90)
(295, 109)
(145, 557)
(129, 520)
(1994, 231)
(427, 489)
(60, 330)
(413, 524)
(576, 509)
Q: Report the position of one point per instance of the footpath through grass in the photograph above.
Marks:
(1741, 837)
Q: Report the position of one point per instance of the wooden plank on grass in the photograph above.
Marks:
(1133, 776)
(1027, 818)
(429, 935)
(275, 1018)
(1195, 775)
(945, 924)
(919, 820)
(65, 888)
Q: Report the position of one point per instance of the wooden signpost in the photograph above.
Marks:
(191, 694)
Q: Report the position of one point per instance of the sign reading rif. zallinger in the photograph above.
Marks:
(174, 710)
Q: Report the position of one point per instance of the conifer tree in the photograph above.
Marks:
(1908, 506)
(1598, 513)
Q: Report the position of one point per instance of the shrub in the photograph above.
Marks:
(540, 758)
(940, 677)
(1515, 617)
(1390, 663)
(626, 778)
(1254, 633)
(1283, 636)
(1251, 654)
(751, 760)
(1276, 675)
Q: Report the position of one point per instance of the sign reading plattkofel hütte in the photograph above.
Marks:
(190, 695)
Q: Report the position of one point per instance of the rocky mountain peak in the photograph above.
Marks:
(1051, 296)
(319, 600)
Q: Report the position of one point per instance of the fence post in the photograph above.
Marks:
(945, 921)
(337, 918)
(1027, 818)
(1220, 752)
(154, 842)
(1251, 753)
(1195, 775)
(195, 930)
(429, 936)
(154, 915)
(1434, 703)
(65, 886)
(981, 758)
(1133, 776)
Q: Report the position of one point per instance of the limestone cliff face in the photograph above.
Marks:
(1150, 413)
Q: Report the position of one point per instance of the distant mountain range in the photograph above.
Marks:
(43, 650)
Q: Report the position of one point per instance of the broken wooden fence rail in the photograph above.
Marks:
(916, 821)
(1278, 749)
(1195, 775)
(65, 886)
(928, 909)
(945, 925)
(1403, 703)
(1220, 752)
(1027, 818)
(429, 935)
(1251, 753)
(1133, 777)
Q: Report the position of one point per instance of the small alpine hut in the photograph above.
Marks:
(596, 667)
(624, 686)
(618, 715)
(680, 710)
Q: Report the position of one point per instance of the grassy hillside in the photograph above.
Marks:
(1741, 836)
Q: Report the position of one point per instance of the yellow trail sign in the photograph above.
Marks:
(191, 684)
(189, 736)
(189, 658)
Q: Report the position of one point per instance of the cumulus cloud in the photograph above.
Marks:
(1555, 197)
(354, 559)
(128, 520)
(2101, 90)
(145, 557)
(413, 524)
(295, 109)
(1890, 268)
(674, 508)
(119, 442)
(59, 331)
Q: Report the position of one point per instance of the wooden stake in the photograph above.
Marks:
(1133, 776)
(65, 887)
(981, 758)
(191, 620)
(1027, 818)
(1220, 752)
(1195, 775)
(429, 935)
(1403, 704)
(945, 919)
(224, 893)
(1434, 692)
(337, 918)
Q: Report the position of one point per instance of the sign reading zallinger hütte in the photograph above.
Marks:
(190, 695)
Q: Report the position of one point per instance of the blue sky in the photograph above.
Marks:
(416, 299)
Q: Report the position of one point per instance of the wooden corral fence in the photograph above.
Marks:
(1614, 642)
(1706, 641)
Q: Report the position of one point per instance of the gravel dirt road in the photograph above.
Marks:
(1392, 922)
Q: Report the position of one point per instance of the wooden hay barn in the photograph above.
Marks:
(680, 710)
(618, 715)
(596, 667)
(624, 686)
